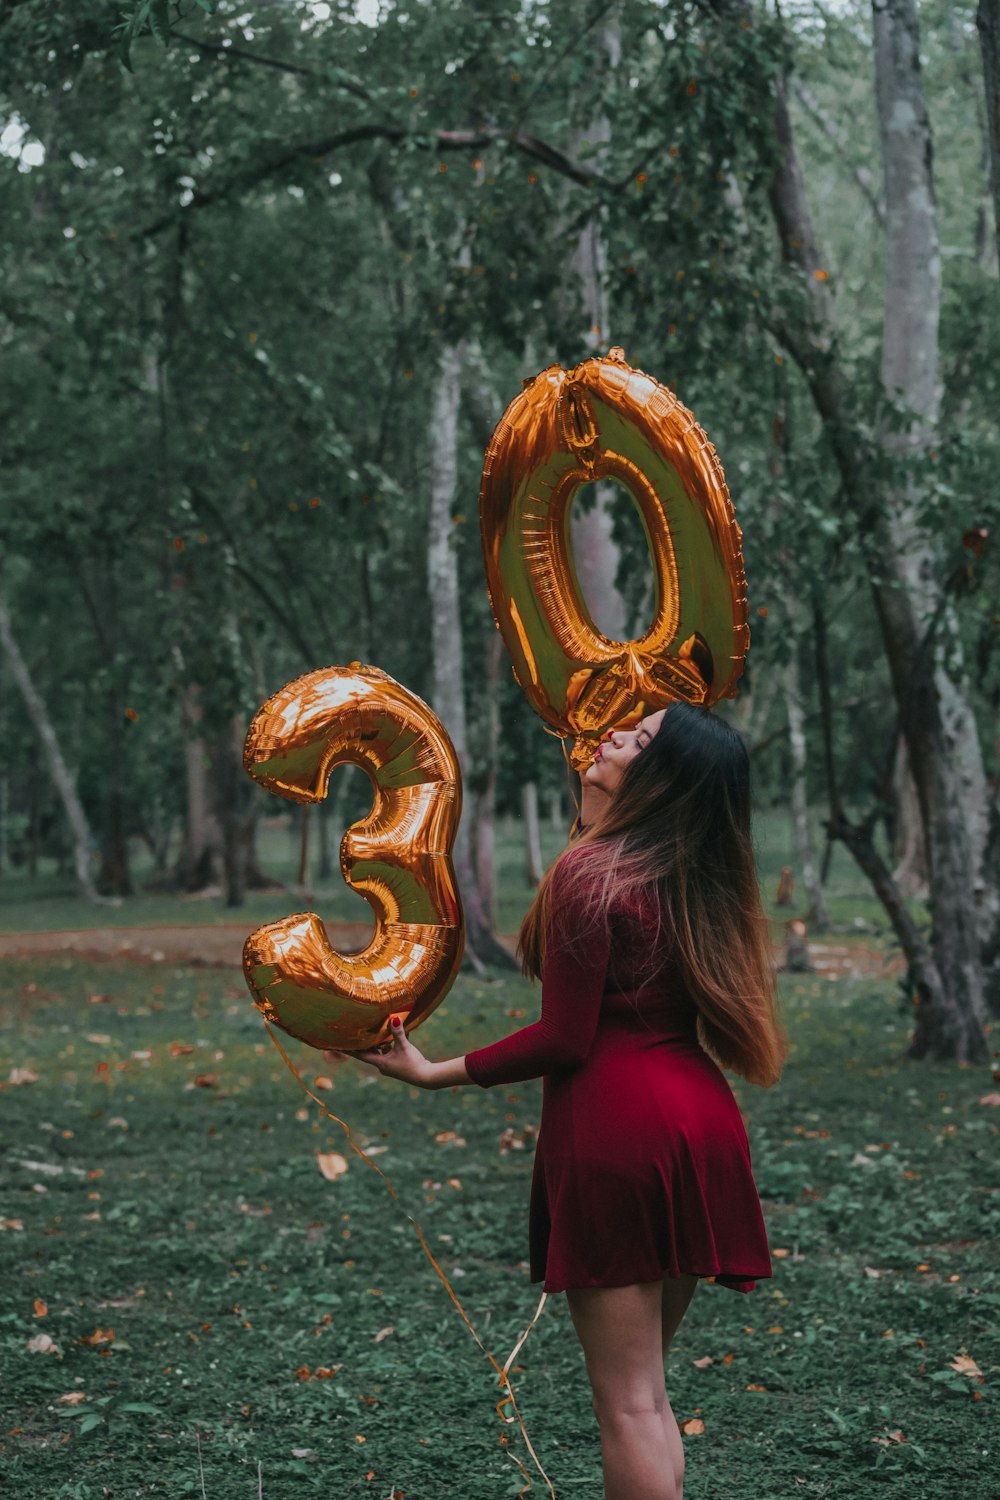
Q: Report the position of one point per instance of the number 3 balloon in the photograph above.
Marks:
(604, 420)
(398, 858)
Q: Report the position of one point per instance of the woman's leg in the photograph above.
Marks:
(677, 1294)
(620, 1329)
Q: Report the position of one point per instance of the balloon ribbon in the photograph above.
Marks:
(505, 1384)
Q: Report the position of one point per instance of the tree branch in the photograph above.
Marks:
(444, 140)
(830, 128)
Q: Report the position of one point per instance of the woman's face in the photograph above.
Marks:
(618, 748)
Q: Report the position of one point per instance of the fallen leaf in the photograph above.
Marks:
(779, 1254)
(383, 1333)
(41, 1308)
(964, 1365)
(99, 1336)
(303, 1373)
(11, 1224)
(42, 1343)
(990, 1099)
(755, 1387)
(180, 1049)
(18, 1076)
(331, 1164)
(693, 1427)
(117, 1123)
(727, 1359)
(99, 1038)
(143, 1054)
(323, 1082)
(72, 1398)
(301, 1452)
(449, 1137)
(206, 1080)
(704, 1362)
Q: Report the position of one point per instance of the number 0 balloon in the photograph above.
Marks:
(605, 421)
(398, 858)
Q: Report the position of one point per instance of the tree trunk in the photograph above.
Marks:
(198, 863)
(908, 846)
(930, 693)
(595, 553)
(486, 792)
(58, 770)
(533, 869)
(818, 917)
(448, 695)
(232, 808)
(114, 878)
(917, 619)
(988, 21)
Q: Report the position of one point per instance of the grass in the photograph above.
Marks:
(166, 1225)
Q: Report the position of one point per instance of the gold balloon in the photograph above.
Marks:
(605, 421)
(398, 858)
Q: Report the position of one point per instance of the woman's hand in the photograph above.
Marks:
(399, 1058)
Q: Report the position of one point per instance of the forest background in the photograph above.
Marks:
(271, 273)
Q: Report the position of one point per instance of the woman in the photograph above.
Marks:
(653, 951)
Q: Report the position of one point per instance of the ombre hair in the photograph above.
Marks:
(677, 830)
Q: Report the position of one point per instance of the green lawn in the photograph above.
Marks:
(178, 1244)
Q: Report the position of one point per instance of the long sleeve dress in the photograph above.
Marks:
(642, 1166)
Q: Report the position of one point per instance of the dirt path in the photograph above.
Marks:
(221, 946)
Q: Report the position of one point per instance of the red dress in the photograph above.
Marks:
(642, 1167)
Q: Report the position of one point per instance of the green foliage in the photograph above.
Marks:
(225, 289)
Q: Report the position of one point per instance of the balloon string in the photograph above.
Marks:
(505, 1384)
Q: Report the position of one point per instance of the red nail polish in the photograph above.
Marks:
(395, 1021)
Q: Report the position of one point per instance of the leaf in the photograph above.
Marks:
(965, 1365)
(91, 1420)
(42, 1343)
(990, 1099)
(72, 1398)
(331, 1164)
(323, 1081)
(41, 1308)
(693, 1427)
(449, 1138)
(99, 1336)
(208, 6)
(17, 1076)
(11, 1223)
(704, 1362)
(206, 1080)
(159, 21)
(140, 1406)
(383, 1333)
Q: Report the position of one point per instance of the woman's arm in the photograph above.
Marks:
(573, 979)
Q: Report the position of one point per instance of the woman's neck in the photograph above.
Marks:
(593, 801)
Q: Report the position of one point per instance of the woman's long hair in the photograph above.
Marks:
(677, 827)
